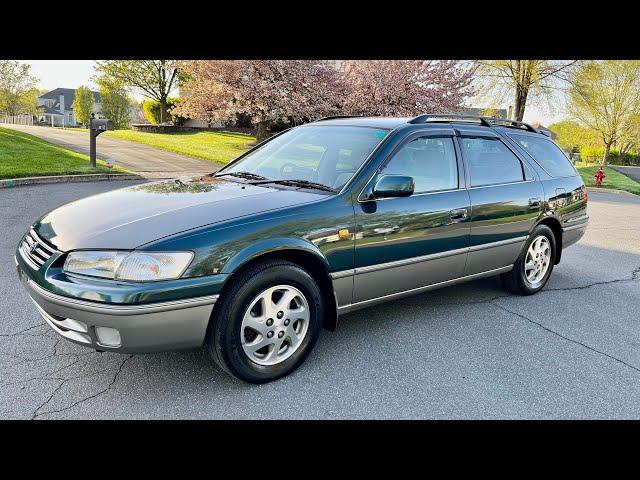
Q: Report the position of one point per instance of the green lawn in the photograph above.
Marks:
(612, 179)
(213, 146)
(23, 155)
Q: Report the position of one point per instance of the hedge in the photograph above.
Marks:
(594, 155)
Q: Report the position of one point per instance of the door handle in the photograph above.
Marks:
(534, 202)
(458, 214)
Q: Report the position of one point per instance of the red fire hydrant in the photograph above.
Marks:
(599, 176)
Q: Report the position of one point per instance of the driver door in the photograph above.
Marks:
(410, 242)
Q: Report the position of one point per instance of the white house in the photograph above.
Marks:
(55, 107)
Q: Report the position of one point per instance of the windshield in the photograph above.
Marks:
(327, 155)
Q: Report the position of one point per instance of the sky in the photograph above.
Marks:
(63, 73)
(74, 73)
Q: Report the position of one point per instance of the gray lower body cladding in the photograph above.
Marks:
(142, 328)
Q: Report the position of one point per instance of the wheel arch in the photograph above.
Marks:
(303, 254)
(556, 227)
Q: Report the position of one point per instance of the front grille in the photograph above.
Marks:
(34, 250)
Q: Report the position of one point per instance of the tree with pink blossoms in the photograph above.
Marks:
(297, 91)
(268, 91)
(406, 87)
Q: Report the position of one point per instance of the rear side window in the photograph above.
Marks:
(547, 154)
(490, 162)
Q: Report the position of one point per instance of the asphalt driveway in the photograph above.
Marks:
(142, 159)
(470, 351)
(631, 172)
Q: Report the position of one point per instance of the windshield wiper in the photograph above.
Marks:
(248, 175)
(297, 182)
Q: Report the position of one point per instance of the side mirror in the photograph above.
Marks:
(389, 186)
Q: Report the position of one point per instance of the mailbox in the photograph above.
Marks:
(96, 127)
(101, 124)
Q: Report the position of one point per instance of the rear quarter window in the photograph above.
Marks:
(490, 162)
(547, 154)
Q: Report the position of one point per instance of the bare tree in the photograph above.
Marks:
(523, 79)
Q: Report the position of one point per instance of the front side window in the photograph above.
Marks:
(490, 162)
(547, 154)
(431, 161)
(329, 155)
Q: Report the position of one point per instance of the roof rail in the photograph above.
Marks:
(337, 116)
(505, 122)
(451, 117)
(484, 121)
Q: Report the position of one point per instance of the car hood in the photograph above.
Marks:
(130, 217)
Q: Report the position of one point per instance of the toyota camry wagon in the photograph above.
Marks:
(336, 215)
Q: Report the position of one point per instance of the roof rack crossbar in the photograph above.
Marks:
(512, 123)
(443, 117)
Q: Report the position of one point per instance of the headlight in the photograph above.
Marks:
(135, 266)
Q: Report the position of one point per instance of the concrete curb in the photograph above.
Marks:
(610, 190)
(92, 177)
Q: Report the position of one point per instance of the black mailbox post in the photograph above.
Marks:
(96, 127)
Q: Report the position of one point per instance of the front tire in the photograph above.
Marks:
(533, 268)
(267, 322)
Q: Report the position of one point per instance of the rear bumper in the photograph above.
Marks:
(571, 234)
(145, 328)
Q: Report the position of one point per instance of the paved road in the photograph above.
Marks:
(471, 351)
(633, 172)
(142, 159)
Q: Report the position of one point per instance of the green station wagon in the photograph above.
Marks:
(320, 220)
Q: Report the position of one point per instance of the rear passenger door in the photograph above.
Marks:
(506, 200)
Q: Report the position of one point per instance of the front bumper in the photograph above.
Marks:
(144, 328)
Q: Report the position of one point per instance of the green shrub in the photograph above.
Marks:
(593, 155)
(151, 109)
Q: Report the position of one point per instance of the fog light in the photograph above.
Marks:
(109, 337)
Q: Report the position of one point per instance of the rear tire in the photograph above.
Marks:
(533, 268)
(267, 322)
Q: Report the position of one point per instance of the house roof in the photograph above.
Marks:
(48, 110)
(69, 96)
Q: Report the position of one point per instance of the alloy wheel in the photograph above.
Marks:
(537, 261)
(274, 325)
